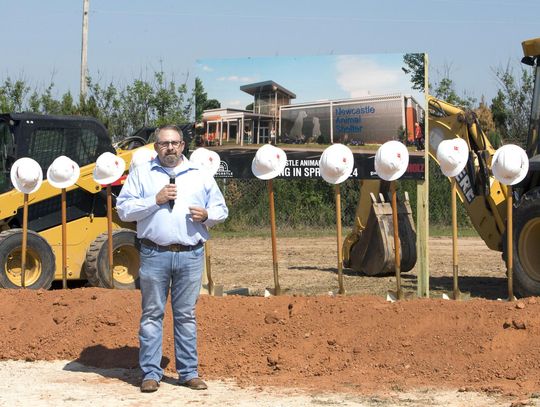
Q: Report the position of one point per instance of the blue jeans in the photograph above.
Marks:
(182, 272)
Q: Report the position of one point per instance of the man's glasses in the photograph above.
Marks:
(164, 144)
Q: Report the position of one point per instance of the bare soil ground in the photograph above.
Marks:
(308, 266)
(303, 348)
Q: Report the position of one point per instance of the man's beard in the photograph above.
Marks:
(171, 160)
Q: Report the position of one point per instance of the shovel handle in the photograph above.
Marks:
(24, 241)
(208, 263)
(109, 234)
(64, 239)
(509, 244)
(338, 229)
(397, 243)
(277, 288)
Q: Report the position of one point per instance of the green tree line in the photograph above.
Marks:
(505, 119)
(122, 109)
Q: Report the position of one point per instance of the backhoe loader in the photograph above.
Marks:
(483, 196)
(43, 138)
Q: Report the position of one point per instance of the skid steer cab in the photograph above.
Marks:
(44, 138)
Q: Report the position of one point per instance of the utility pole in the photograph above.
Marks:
(84, 67)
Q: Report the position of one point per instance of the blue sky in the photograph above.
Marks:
(311, 78)
(132, 38)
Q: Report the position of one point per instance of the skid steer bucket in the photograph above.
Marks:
(370, 248)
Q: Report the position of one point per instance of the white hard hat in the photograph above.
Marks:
(206, 159)
(109, 168)
(63, 172)
(142, 155)
(336, 163)
(510, 164)
(452, 155)
(391, 160)
(26, 175)
(269, 162)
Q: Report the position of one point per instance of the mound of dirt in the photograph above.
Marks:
(353, 343)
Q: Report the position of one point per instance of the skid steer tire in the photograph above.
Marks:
(125, 261)
(40, 260)
(526, 238)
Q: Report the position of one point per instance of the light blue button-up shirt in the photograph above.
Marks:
(194, 186)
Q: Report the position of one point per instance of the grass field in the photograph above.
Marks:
(434, 231)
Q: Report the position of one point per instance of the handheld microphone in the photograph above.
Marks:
(171, 202)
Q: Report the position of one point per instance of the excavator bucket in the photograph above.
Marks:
(370, 249)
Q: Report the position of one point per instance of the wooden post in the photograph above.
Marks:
(24, 241)
(422, 234)
(338, 227)
(422, 207)
(84, 47)
(277, 288)
(397, 255)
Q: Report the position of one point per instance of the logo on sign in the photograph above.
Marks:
(223, 171)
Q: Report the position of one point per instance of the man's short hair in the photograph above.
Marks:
(169, 127)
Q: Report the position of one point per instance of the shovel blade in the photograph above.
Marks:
(458, 296)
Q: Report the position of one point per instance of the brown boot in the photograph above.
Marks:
(195, 384)
(149, 386)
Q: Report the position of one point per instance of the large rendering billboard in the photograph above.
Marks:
(304, 104)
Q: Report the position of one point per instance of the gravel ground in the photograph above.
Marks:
(64, 383)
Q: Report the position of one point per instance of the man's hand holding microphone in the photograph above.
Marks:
(168, 194)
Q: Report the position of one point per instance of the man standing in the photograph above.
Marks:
(174, 203)
(418, 137)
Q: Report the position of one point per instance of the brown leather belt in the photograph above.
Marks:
(170, 248)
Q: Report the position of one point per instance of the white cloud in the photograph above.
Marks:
(207, 68)
(362, 76)
(235, 78)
